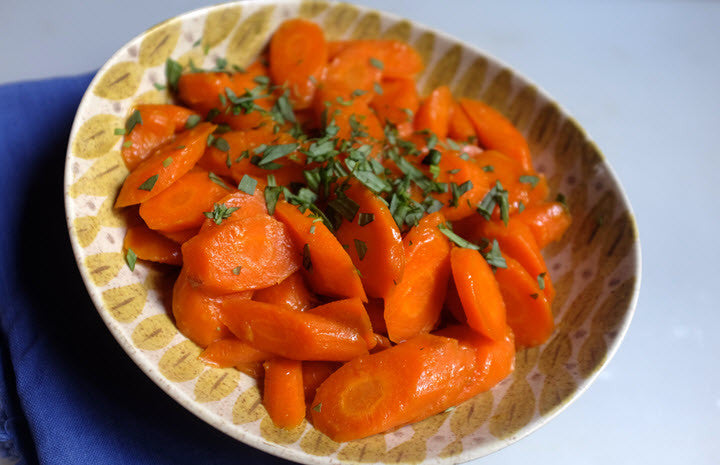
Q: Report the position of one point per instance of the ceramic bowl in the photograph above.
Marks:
(596, 266)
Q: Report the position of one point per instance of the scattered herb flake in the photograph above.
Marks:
(562, 200)
(494, 256)
(247, 184)
(360, 248)
(488, 168)
(127, 144)
(378, 88)
(167, 162)
(307, 260)
(358, 92)
(221, 144)
(262, 80)
(159, 86)
(173, 70)
(541, 280)
(272, 194)
(149, 183)
(318, 407)
(365, 219)
(217, 180)
(236, 270)
(459, 241)
(220, 212)
(521, 207)
(134, 119)
(532, 180)
(377, 63)
(119, 131)
(192, 121)
(131, 258)
(220, 63)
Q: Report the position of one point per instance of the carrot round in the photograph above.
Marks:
(166, 164)
(298, 53)
(290, 333)
(434, 112)
(246, 206)
(413, 306)
(241, 145)
(283, 395)
(398, 102)
(479, 292)
(252, 253)
(149, 245)
(458, 171)
(460, 127)
(180, 237)
(230, 352)
(547, 222)
(350, 312)
(314, 373)
(291, 292)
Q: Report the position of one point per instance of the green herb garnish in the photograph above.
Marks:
(247, 184)
(149, 183)
(131, 258)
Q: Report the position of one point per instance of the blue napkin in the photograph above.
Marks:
(63, 378)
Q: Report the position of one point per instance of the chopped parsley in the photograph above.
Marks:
(167, 162)
(457, 240)
(496, 196)
(173, 70)
(532, 180)
(236, 270)
(494, 256)
(149, 183)
(377, 63)
(365, 219)
(131, 258)
(360, 248)
(134, 119)
(192, 121)
(307, 260)
(218, 180)
(247, 184)
(220, 212)
(541, 280)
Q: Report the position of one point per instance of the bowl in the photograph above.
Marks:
(596, 267)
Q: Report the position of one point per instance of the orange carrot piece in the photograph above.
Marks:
(413, 306)
(455, 170)
(220, 162)
(434, 112)
(381, 343)
(453, 303)
(399, 97)
(528, 310)
(479, 292)
(298, 53)
(159, 123)
(149, 245)
(283, 396)
(247, 206)
(508, 171)
(314, 373)
(166, 164)
(405, 383)
(290, 333)
(242, 146)
(291, 292)
(350, 312)
(252, 369)
(252, 253)
(548, 221)
(399, 60)
(376, 312)
(496, 132)
(326, 265)
(342, 113)
(348, 72)
(180, 237)
(460, 127)
(375, 247)
(181, 206)
(230, 352)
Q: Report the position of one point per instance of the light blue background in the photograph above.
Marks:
(643, 79)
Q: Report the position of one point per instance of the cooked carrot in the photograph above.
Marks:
(453, 303)
(242, 150)
(252, 369)
(460, 127)
(398, 102)
(344, 113)
(479, 292)
(298, 53)
(434, 112)
(405, 383)
(373, 241)
(252, 253)
(180, 237)
(548, 221)
(348, 72)
(290, 333)
(496, 132)
(413, 306)
(314, 373)
(149, 245)
(528, 310)
(334, 47)
(283, 396)
(181, 206)
(350, 312)
(291, 292)
(230, 352)
(508, 171)
(326, 265)
(397, 59)
(159, 123)
(376, 312)
(247, 206)
(381, 343)
(457, 172)
(241, 145)
(168, 163)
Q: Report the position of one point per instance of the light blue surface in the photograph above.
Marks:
(642, 79)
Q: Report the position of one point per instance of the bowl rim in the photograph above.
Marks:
(280, 450)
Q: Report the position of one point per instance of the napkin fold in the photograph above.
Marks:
(69, 393)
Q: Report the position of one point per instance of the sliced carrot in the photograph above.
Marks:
(326, 265)
(496, 132)
(373, 241)
(252, 369)
(298, 53)
(348, 72)
(149, 245)
(168, 163)
(283, 396)
(314, 373)
(455, 170)
(381, 343)
(181, 206)
(290, 333)
(343, 114)
(528, 310)
(548, 221)
(404, 383)
(252, 253)
(453, 303)
(180, 237)
(247, 206)
(413, 306)
(242, 150)
(336, 46)
(241, 145)
(398, 59)
(230, 352)
(376, 309)
(350, 312)
(434, 112)
(291, 292)
(398, 102)
(159, 123)
(460, 127)
(479, 292)
(500, 167)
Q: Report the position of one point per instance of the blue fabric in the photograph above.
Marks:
(70, 394)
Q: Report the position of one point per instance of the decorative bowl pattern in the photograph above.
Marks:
(596, 268)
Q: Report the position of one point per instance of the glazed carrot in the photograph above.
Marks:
(398, 102)
(508, 171)
(247, 206)
(397, 59)
(290, 333)
(181, 206)
(376, 312)
(251, 253)
(460, 127)
(373, 241)
(242, 150)
(343, 113)
(496, 132)
(314, 373)
(180, 237)
(252, 369)
(149, 245)
(159, 123)
(413, 306)
(434, 112)
(381, 343)
(456, 172)
(348, 72)
(350, 312)
(405, 383)
(334, 47)
(168, 163)
(298, 54)
(528, 310)
(326, 265)
(283, 396)
(220, 161)
(548, 222)
(291, 292)
(230, 352)
(453, 303)
(479, 292)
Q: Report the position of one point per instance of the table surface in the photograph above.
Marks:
(641, 77)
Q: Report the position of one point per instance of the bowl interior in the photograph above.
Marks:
(595, 268)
